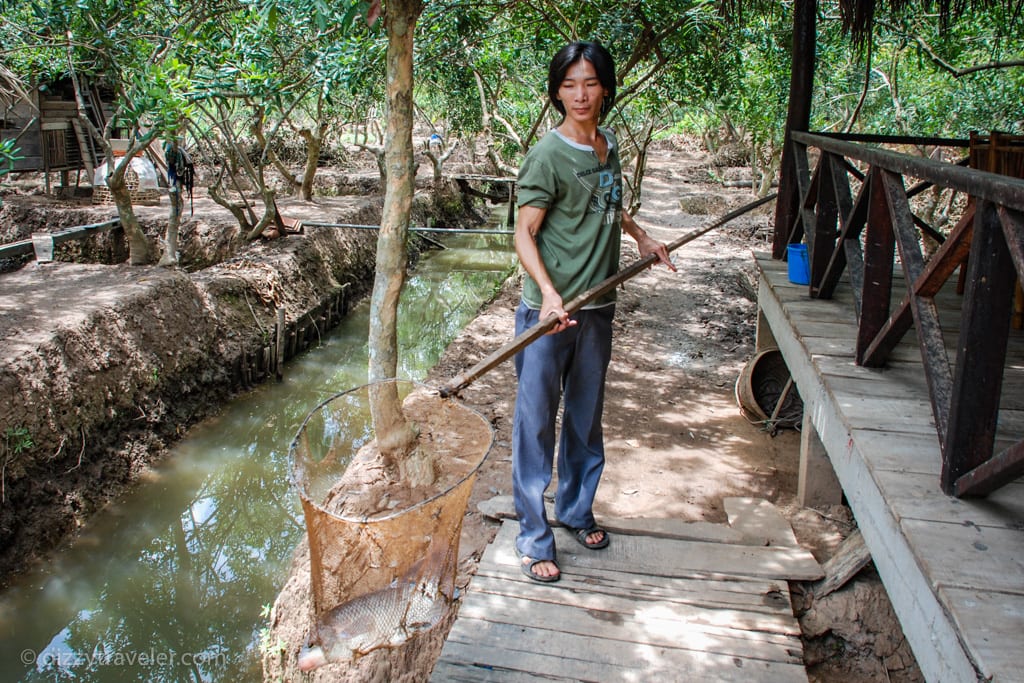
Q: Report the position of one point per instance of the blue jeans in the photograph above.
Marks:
(570, 365)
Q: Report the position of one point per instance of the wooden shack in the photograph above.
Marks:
(44, 121)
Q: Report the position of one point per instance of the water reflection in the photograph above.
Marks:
(170, 582)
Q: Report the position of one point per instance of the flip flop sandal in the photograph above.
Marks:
(581, 537)
(527, 569)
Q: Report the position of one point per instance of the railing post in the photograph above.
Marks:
(798, 118)
(826, 217)
(981, 353)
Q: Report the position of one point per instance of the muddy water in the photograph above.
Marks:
(172, 583)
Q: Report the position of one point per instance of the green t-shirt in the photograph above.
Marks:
(581, 234)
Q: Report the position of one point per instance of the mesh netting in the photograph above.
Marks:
(383, 558)
(762, 384)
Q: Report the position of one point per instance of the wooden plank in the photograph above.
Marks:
(730, 589)
(991, 624)
(917, 496)
(602, 624)
(825, 330)
(449, 670)
(646, 622)
(908, 390)
(892, 377)
(852, 556)
(669, 557)
(905, 354)
(887, 415)
(899, 452)
(502, 507)
(761, 597)
(721, 591)
(832, 312)
(758, 519)
(585, 659)
(959, 556)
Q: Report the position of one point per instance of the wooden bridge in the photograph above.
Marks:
(666, 601)
(912, 379)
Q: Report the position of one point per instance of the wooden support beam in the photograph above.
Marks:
(817, 484)
(800, 218)
(879, 250)
(852, 218)
(950, 256)
(985, 322)
(992, 474)
(832, 203)
(807, 220)
(926, 317)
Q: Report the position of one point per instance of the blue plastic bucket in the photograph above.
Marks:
(799, 268)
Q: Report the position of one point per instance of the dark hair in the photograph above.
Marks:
(596, 54)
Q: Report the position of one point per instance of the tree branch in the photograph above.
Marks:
(946, 66)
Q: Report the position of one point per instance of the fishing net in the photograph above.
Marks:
(383, 553)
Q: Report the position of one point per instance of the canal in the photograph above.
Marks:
(174, 580)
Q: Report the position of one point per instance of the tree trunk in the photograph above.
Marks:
(170, 255)
(395, 436)
(139, 249)
(314, 143)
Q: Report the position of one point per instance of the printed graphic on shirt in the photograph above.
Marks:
(605, 190)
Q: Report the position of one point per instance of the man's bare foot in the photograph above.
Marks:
(593, 538)
(545, 571)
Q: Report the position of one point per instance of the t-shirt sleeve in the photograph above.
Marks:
(536, 184)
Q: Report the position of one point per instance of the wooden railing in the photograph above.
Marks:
(861, 234)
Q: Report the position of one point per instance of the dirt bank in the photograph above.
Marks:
(105, 365)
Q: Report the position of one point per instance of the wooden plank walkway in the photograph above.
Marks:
(953, 569)
(647, 608)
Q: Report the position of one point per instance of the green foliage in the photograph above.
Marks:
(919, 79)
(8, 155)
(17, 440)
(177, 66)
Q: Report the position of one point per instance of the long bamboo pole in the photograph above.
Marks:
(541, 328)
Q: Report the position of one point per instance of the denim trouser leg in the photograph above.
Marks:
(578, 359)
(581, 443)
